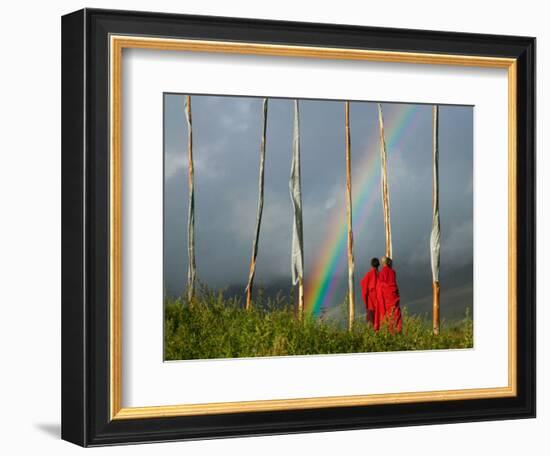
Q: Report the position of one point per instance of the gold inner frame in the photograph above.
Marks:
(117, 44)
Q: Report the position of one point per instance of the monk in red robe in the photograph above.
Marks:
(389, 309)
(369, 293)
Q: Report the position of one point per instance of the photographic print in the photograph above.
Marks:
(308, 227)
(232, 211)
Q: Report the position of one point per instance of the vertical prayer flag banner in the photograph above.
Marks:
(435, 236)
(260, 208)
(287, 209)
(295, 186)
(191, 273)
(296, 197)
(384, 184)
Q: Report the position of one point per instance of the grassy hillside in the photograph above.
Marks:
(215, 327)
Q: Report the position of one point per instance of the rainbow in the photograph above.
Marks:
(331, 259)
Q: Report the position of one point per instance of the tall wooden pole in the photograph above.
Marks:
(252, 270)
(300, 298)
(351, 265)
(384, 184)
(435, 237)
(435, 305)
(191, 270)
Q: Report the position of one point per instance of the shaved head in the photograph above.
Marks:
(386, 260)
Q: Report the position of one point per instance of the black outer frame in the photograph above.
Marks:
(85, 227)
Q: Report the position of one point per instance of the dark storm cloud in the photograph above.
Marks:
(227, 139)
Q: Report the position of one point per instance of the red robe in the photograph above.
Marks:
(388, 300)
(368, 291)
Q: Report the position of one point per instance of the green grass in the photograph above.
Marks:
(216, 327)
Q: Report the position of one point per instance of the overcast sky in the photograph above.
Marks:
(226, 133)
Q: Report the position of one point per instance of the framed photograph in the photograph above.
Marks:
(278, 227)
